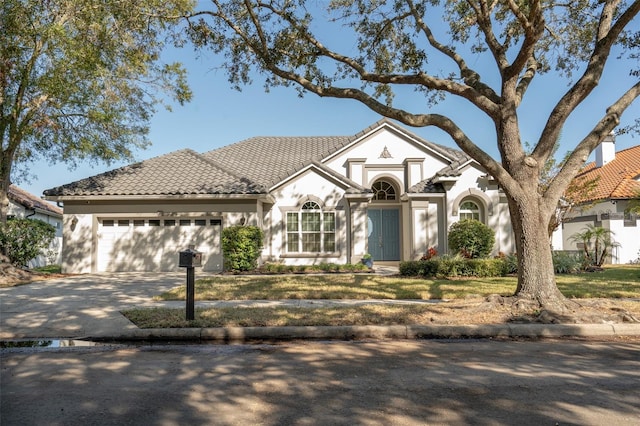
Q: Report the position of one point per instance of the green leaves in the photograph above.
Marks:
(23, 239)
(81, 78)
(471, 238)
(241, 247)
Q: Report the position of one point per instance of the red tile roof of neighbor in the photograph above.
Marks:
(617, 179)
(30, 201)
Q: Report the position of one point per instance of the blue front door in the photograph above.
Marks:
(384, 234)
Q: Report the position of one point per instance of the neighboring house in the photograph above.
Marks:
(23, 204)
(617, 178)
(383, 191)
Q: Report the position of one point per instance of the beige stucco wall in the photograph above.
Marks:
(311, 185)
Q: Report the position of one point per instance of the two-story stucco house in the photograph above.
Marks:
(383, 191)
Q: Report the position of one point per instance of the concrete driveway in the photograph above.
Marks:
(75, 306)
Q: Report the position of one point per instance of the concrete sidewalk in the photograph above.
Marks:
(88, 306)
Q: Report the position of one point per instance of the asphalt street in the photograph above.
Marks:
(591, 380)
(391, 382)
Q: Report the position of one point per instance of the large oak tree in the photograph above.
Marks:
(368, 51)
(79, 79)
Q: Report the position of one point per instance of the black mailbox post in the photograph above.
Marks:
(189, 259)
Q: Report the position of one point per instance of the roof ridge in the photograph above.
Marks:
(229, 172)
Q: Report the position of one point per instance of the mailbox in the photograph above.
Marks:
(190, 258)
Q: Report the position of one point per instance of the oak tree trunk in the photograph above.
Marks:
(536, 277)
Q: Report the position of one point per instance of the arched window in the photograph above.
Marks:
(469, 210)
(311, 230)
(383, 191)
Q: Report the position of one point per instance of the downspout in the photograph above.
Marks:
(32, 214)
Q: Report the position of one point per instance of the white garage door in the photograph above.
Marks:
(139, 244)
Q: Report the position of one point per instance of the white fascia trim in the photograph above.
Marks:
(440, 179)
(337, 178)
(262, 197)
(414, 195)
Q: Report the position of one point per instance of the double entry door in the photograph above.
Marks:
(384, 234)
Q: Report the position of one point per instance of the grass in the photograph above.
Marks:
(49, 269)
(273, 317)
(614, 282)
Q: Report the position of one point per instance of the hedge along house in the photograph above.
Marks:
(384, 191)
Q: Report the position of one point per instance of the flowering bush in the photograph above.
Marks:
(432, 252)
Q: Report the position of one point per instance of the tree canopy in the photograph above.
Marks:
(369, 51)
(79, 79)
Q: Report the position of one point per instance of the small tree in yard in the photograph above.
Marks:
(79, 79)
(241, 247)
(402, 58)
(471, 238)
(23, 239)
(597, 243)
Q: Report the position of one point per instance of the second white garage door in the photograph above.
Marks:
(149, 244)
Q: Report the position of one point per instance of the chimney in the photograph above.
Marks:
(606, 151)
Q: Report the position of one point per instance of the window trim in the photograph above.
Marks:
(310, 206)
(389, 185)
(473, 212)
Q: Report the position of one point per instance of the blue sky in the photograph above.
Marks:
(219, 116)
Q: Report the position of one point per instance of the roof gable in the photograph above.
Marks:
(445, 154)
(328, 174)
(615, 180)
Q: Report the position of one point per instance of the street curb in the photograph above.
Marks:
(246, 334)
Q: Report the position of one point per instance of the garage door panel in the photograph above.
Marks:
(154, 245)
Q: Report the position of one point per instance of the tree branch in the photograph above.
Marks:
(579, 155)
(470, 77)
(589, 79)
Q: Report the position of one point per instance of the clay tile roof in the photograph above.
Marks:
(427, 186)
(618, 179)
(251, 166)
(268, 160)
(178, 173)
(30, 201)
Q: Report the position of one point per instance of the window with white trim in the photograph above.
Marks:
(383, 190)
(469, 210)
(311, 230)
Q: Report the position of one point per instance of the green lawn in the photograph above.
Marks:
(613, 282)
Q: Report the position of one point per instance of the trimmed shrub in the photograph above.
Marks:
(419, 268)
(471, 239)
(241, 247)
(281, 268)
(23, 239)
(454, 266)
